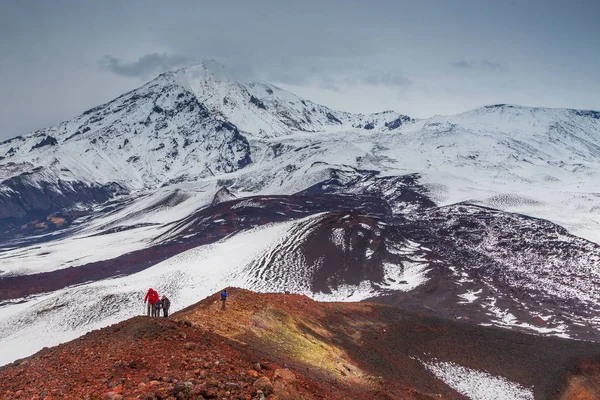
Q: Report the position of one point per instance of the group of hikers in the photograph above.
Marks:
(157, 303)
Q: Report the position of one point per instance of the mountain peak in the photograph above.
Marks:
(209, 71)
(184, 125)
(518, 108)
(526, 119)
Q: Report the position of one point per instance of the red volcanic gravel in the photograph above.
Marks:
(288, 347)
(146, 358)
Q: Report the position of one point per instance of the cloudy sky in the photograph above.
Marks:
(426, 57)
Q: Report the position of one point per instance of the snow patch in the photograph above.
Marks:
(470, 296)
(405, 277)
(478, 385)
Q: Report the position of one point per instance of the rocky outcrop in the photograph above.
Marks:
(21, 198)
(47, 141)
(285, 384)
(222, 195)
(583, 381)
(29, 197)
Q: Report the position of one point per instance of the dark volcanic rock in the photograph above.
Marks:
(222, 195)
(333, 118)
(28, 197)
(335, 250)
(398, 122)
(506, 269)
(402, 193)
(47, 141)
(240, 214)
(257, 102)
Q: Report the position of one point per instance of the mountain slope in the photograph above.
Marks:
(181, 127)
(196, 181)
(304, 349)
(141, 139)
(199, 125)
(266, 111)
(182, 123)
(469, 262)
(125, 361)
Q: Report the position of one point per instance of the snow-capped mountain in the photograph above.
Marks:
(196, 181)
(197, 125)
(182, 126)
(266, 111)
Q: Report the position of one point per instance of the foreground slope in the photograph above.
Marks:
(307, 350)
(356, 342)
(479, 265)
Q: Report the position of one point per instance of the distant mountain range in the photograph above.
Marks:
(196, 181)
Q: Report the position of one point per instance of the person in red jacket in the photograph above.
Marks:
(151, 298)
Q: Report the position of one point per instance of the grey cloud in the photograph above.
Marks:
(379, 78)
(336, 76)
(51, 52)
(146, 66)
(286, 75)
(330, 75)
(387, 79)
(463, 64)
(484, 64)
(356, 78)
(493, 65)
(328, 83)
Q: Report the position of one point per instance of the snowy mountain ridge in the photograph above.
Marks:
(183, 125)
(461, 214)
(196, 122)
(198, 125)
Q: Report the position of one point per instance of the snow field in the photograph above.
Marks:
(81, 247)
(477, 385)
(186, 278)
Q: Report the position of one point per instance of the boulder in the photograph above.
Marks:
(183, 389)
(285, 385)
(264, 385)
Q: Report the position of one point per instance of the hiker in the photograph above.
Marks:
(157, 308)
(223, 298)
(166, 303)
(151, 298)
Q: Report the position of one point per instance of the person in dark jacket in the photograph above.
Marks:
(157, 308)
(223, 298)
(166, 304)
